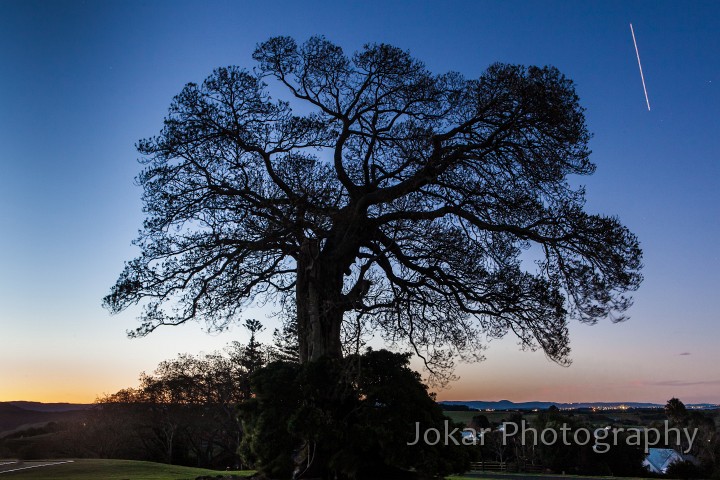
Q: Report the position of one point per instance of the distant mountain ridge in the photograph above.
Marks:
(508, 405)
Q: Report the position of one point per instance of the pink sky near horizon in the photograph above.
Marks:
(507, 373)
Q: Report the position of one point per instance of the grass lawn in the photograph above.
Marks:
(134, 470)
(455, 477)
(114, 470)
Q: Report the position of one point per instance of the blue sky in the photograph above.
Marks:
(81, 82)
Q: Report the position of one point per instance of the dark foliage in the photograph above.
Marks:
(685, 469)
(352, 418)
(480, 422)
(457, 408)
(620, 459)
(676, 411)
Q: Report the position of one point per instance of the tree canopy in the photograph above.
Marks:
(380, 193)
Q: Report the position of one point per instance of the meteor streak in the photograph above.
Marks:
(642, 77)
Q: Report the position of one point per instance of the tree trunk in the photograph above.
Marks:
(319, 317)
(319, 302)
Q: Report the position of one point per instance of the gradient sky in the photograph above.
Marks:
(82, 81)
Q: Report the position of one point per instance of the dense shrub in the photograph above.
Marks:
(350, 418)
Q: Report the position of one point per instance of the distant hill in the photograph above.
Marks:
(21, 413)
(49, 407)
(508, 405)
(9, 408)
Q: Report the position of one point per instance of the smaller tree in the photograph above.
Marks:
(249, 357)
(675, 411)
(285, 346)
(480, 422)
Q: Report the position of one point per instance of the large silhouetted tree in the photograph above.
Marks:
(380, 193)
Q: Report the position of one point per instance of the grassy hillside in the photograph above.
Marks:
(114, 470)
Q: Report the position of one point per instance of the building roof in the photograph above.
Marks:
(659, 459)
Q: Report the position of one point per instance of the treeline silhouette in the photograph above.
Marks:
(184, 412)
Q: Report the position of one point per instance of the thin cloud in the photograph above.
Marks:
(681, 383)
(685, 353)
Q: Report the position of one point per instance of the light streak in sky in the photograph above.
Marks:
(642, 77)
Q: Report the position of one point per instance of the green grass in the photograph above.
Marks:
(134, 470)
(455, 477)
(115, 470)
